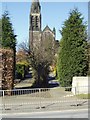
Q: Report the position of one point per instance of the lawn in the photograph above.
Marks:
(83, 96)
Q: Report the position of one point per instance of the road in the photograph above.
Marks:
(51, 114)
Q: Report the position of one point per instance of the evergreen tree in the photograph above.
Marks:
(89, 56)
(8, 38)
(72, 59)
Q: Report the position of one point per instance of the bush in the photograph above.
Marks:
(20, 71)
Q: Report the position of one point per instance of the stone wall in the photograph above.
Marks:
(80, 85)
(6, 68)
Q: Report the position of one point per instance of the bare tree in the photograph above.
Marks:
(40, 59)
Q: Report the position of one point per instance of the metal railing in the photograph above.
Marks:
(30, 100)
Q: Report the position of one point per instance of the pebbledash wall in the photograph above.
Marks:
(80, 85)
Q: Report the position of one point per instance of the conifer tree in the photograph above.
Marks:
(72, 59)
(8, 38)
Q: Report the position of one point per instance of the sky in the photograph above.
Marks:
(53, 14)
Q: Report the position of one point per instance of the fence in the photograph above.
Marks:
(30, 100)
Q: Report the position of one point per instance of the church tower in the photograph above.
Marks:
(35, 25)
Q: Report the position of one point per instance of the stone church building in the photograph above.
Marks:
(36, 34)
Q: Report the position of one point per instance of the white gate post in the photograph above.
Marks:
(40, 97)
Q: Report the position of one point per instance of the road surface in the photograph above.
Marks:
(51, 114)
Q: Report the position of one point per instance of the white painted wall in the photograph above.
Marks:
(80, 85)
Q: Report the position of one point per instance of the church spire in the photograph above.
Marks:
(35, 25)
(35, 7)
(35, 16)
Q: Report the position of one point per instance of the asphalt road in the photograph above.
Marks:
(50, 114)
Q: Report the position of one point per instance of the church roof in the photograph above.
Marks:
(35, 7)
(47, 28)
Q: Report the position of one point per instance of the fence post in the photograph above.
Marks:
(3, 93)
(75, 91)
(3, 100)
(40, 98)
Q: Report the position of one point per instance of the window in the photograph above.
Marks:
(36, 22)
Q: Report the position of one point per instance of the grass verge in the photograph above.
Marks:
(83, 96)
